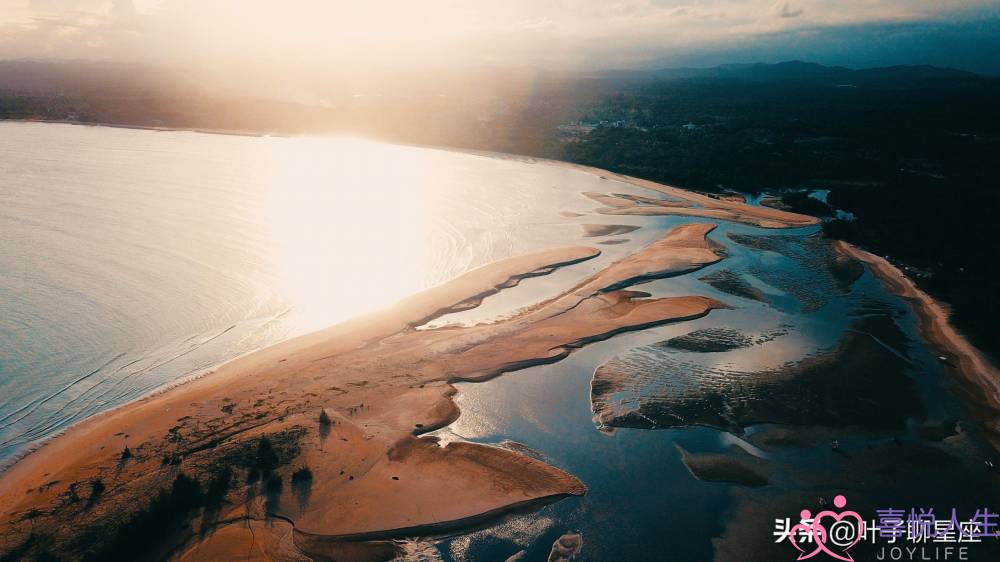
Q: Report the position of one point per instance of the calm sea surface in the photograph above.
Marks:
(131, 259)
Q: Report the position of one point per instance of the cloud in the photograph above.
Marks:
(782, 9)
(123, 9)
(556, 33)
(963, 44)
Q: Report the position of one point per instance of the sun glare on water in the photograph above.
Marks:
(349, 222)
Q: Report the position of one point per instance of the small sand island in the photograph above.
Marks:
(598, 230)
(314, 448)
(688, 203)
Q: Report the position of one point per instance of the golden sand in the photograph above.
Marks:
(381, 383)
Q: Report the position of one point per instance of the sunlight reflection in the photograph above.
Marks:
(349, 222)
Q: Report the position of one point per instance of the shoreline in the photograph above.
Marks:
(716, 208)
(598, 172)
(972, 365)
(380, 383)
(158, 128)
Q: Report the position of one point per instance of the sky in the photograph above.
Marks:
(569, 34)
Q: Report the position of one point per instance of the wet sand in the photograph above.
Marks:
(731, 282)
(726, 208)
(596, 230)
(832, 388)
(970, 363)
(738, 467)
(689, 203)
(323, 431)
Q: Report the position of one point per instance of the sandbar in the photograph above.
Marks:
(324, 432)
(596, 230)
(969, 363)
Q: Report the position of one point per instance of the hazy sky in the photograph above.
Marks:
(546, 33)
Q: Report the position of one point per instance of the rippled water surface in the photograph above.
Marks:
(694, 437)
(130, 259)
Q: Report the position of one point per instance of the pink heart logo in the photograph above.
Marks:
(837, 517)
(819, 534)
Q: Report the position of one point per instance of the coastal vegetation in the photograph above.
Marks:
(911, 159)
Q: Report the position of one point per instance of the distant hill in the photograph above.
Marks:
(78, 76)
(817, 74)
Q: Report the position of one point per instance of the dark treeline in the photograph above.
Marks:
(505, 111)
(916, 164)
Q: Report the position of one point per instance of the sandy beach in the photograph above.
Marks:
(598, 230)
(315, 447)
(695, 205)
(981, 377)
(346, 406)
